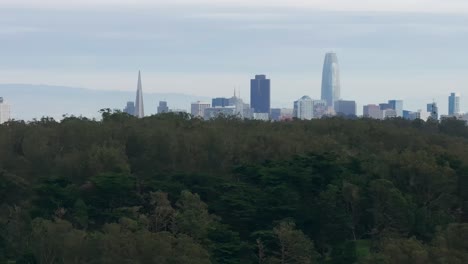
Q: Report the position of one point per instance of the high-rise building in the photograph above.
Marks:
(260, 94)
(163, 108)
(346, 108)
(372, 111)
(139, 108)
(454, 104)
(320, 108)
(304, 108)
(396, 105)
(4, 111)
(275, 114)
(433, 110)
(385, 106)
(331, 87)
(130, 108)
(220, 102)
(198, 108)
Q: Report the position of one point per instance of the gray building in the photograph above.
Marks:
(220, 102)
(139, 108)
(163, 108)
(4, 111)
(346, 108)
(454, 104)
(433, 110)
(260, 94)
(130, 108)
(331, 87)
(275, 114)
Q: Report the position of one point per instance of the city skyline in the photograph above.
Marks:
(386, 51)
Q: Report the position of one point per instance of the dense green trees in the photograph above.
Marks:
(170, 189)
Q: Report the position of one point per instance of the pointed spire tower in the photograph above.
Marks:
(139, 108)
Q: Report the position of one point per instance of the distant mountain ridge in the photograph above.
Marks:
(35, 101)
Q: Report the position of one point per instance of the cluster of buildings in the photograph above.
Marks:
(305, 108)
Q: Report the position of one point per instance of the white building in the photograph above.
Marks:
(389, 113)
(304, 108)
(4, 111)
(214, 112)
(372, 111)
(198, 108)
(261, 116)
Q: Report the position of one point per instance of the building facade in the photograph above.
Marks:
(397, 105)
(130, 108)
(198, 109)
(454, 104)
(5, 109)
(345, 107)
(162, 107)
(372, 111)
(260, 94)
(433, 110)
(319, 108)
(331, 86)
(215, 112)
(220, 102)
(304, 108)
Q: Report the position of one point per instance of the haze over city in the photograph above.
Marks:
(410, 50)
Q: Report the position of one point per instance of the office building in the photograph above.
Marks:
(345, 108)
(220, 102)
(139, 108)
(260, 94)
(303, 108)
(198, 109)
(261, 116)
(319, 108)
(396, 105)
(331, 87)
(372, 111)
(385, 106)
(162, 107)
(275, 114)
(433, 110)
(5, 109)
(130, 108)
(389, 113)
(454, 104)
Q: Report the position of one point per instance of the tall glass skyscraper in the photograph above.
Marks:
(397, 105)
(331, 87)
(260, 94)
(454, 104)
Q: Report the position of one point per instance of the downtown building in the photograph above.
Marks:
(5, 114)
(345, 108)
(331, 86)
(454, 104)
(372, 111)
(260, 96)
(197, 109)
(162, 107)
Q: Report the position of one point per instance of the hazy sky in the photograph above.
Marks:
(410, 49)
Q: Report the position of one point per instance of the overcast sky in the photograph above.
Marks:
(415, 50)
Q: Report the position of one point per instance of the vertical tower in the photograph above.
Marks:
(454, 104)
(260, 94)
(139, 108)
(397, 105)
(331, 86)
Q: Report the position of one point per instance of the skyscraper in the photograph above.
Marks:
(331, 87)
(260, 94)
(162, 108)
(372, 111)
(454, 104)
(433, 110)
(396, 105)
(130, 108)
(4, 111)
(139, 108)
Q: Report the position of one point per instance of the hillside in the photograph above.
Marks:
(169, 189)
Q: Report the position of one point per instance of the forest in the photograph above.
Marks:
(172, 189)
